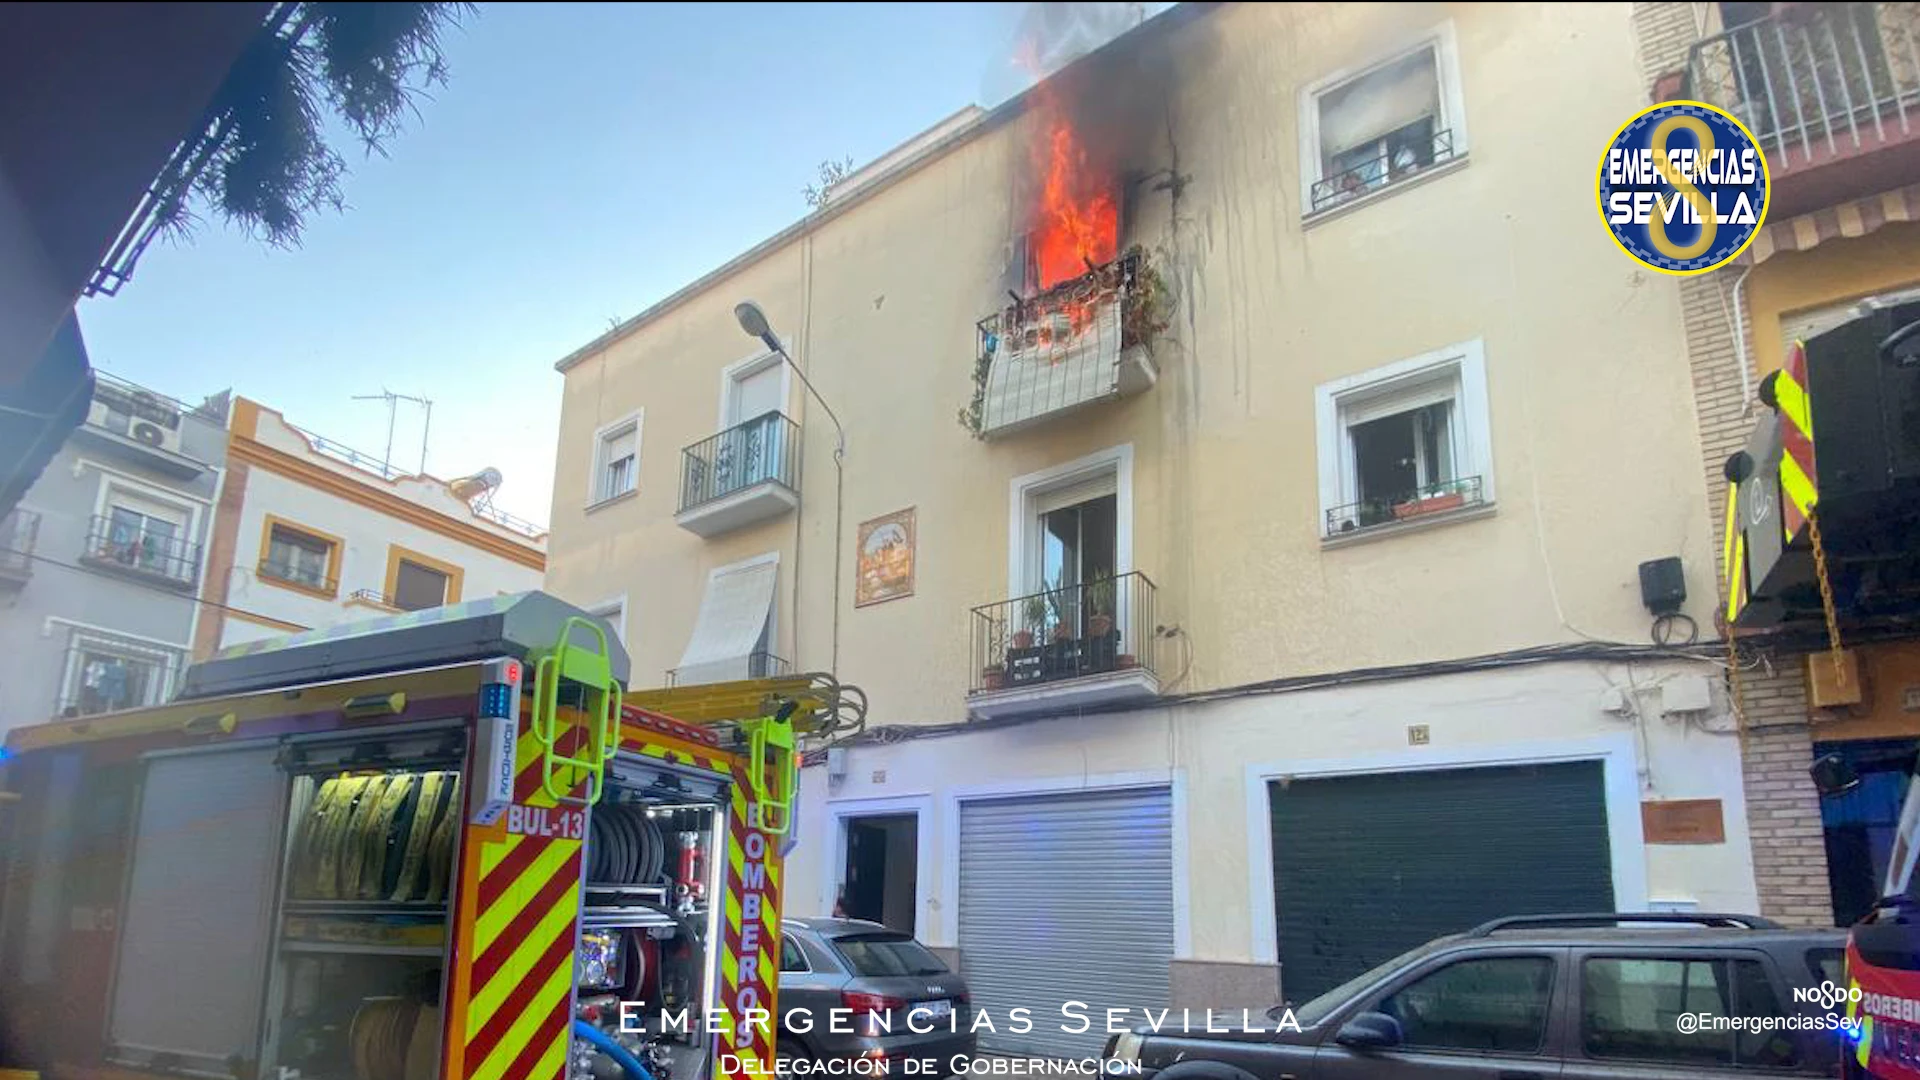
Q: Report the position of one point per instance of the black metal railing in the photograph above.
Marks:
(1047, 353)
(1065, 633)
(1418, 502)
(1392, 165)
(1817, 78)
(19, 531)
(374, 597)
(293, 574)
(142, 549)
(759, 665)
(101, 681)
(763, 450)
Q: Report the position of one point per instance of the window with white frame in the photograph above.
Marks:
(1404, 441)
(107, 673)
(137, 530)
(616, 460)
(1390, 122)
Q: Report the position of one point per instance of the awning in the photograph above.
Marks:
(732, 624)
(38, 412)
(1857, 217)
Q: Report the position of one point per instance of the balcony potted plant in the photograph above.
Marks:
(1100, 605)
(1033, 613)
(1025, 662)
(993, 676)
(1436, 499)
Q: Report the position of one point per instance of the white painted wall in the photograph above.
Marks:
(1216, 755)
(367, 535)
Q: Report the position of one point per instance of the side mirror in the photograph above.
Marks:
(1369, 1031)
(1833, 775)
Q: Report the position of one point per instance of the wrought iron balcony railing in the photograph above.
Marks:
(763, 450)
(759, 665)
(1377, 172)
(374, 597)
(19, 531)
(1066, 633)
(1419, 502)
(143, 550)
(1816, 81)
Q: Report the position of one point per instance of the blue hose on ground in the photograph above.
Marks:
(612, 1049)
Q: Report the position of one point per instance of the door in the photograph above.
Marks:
(750, 452)
(880, 877)
(1627, 1023)
(1366, 867)
(1065, 898)
(1479, 1017)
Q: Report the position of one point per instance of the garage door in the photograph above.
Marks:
(1366, 867)
(1065, 898)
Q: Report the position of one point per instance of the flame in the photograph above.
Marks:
(1076, 223)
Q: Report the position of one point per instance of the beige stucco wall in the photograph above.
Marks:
(1218, 756)
(1592, 426)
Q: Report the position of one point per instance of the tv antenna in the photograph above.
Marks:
(393, 401)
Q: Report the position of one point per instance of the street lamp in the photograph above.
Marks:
(754, 322)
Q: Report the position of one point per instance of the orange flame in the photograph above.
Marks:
(1076, 223)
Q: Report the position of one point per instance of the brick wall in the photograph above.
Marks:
(1783, 809)
(1666, 31)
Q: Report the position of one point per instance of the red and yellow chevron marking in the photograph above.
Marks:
(648, 742)
(1798, 480)
(749, 965)
(511, 995)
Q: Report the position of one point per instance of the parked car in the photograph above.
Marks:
(885, 984)
(1582, 997)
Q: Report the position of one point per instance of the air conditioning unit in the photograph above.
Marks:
(158, 436)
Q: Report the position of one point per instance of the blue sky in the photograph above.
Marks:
(583, 162)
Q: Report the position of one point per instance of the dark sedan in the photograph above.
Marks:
(852, 989)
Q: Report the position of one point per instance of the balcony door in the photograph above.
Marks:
(1077, 534)
(750, 448)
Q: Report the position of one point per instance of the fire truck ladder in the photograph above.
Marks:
(591, 670)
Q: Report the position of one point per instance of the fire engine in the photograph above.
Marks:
(444, 845)
(1823, 543)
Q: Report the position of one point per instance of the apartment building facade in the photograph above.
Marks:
(101, 562)
(310, 533)
(1271, 603)
(1832, 91)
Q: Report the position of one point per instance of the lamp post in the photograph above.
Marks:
(753, 322)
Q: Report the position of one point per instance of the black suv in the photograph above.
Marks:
(1582, 997)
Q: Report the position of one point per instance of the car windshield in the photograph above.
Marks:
(1320, 1007)
(887, 954)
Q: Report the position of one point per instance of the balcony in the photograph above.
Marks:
(1832, 91)
(18, 532)
(1079, 343)
(747, 473)
(374, 598)
(1416, 505)
(139, 425)
(759, 665)
(142, 552)
(1070, 649)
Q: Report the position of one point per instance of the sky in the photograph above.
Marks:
(583, 162)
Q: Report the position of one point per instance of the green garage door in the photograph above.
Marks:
(1366, 867)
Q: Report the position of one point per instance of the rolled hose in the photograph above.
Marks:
(606, 1045)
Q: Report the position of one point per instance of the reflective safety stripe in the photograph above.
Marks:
(1733, 554)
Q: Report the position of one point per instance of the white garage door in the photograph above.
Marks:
(1065, 898)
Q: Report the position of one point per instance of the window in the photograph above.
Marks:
(297, 557)
(1630, 1010)
(416, 581)
(1367, 130)
(1404, 441)
(791, 958)
(1498, 1004)
(1072, 523)
(139, 539)
(418, 587)
(616, 460)
(106, 674)
(887, 955)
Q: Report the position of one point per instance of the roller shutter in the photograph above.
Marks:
(1065, 897)
(206, 857)
(1366, 867)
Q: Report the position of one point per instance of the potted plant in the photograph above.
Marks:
(1057, 604)
(1033, 614)
(1100, 606)
(1442, 497)
(993, 677)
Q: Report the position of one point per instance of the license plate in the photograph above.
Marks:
(933, 1010)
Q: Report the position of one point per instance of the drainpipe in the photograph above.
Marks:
(1738, 317)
